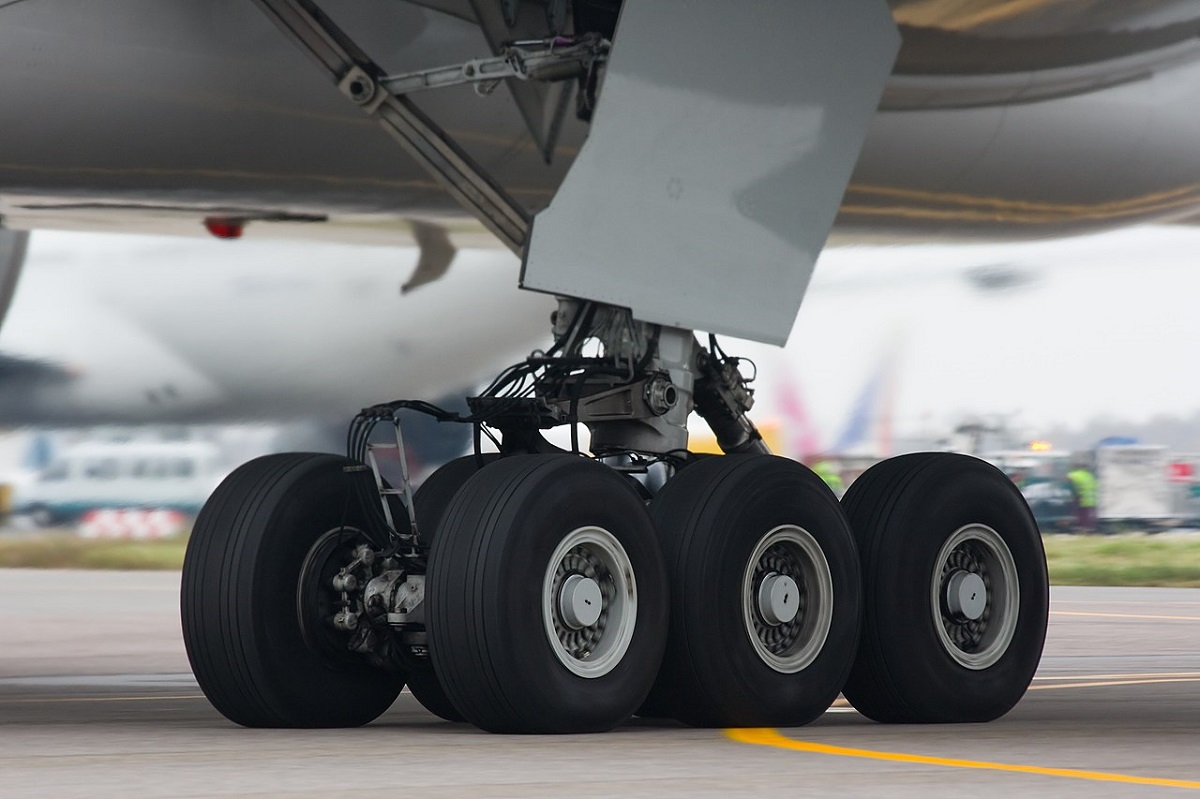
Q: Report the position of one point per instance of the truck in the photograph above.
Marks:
(1133, 484)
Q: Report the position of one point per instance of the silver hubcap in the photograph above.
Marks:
(589, 601)
(787, 602)
(974, 596)
(778, 599)
(966, 595)
(580, 602)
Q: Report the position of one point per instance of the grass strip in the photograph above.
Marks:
(71, 552)
(1164, 559)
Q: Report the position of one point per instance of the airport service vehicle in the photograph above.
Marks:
(1133, 484)
(663, 167)
(1051, 503)
(98, 475)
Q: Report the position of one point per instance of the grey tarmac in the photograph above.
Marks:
(96, 700)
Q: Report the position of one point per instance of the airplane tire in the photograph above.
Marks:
(765, 594)
(244, 585)
(423, 682)
(955, 590)
(431, 501)
(547, 597)
(433, 496)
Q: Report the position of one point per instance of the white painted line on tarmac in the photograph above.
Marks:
(1122, 615)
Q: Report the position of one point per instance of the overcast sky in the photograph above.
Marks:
(1045, 333)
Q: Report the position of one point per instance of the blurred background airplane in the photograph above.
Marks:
(112, 328)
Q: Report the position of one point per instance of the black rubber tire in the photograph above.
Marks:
(711, 517)
(431, 500)
(487, 633)
(239, 599)
(903, 511)
(433, 496)
(425, 687)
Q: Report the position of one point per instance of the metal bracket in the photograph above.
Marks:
(561, 58)
(358, 77)
(722, 400)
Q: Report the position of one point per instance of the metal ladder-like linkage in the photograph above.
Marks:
(404, 492)
(359, 78)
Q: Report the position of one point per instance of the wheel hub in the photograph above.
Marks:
(580, 602)
(589, 601)
(326, 621)
(778, 599)
(787, 592)
(975, 596)
(966, 595)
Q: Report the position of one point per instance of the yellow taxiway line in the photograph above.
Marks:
(772, 738)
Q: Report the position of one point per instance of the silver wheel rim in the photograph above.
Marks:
(588, 563)
(974, 631)
(787, 640)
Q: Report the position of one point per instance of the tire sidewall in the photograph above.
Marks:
(304, 511)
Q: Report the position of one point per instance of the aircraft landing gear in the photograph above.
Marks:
(534, 590)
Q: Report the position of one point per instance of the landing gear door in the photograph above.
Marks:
(723, 141)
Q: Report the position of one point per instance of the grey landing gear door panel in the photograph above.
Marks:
(723, 141)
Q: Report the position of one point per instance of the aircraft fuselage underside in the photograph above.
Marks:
(153, 114)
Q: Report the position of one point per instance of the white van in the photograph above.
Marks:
(176, 475)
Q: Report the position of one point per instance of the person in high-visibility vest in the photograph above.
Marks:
(1083, 490)
(829, 472)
